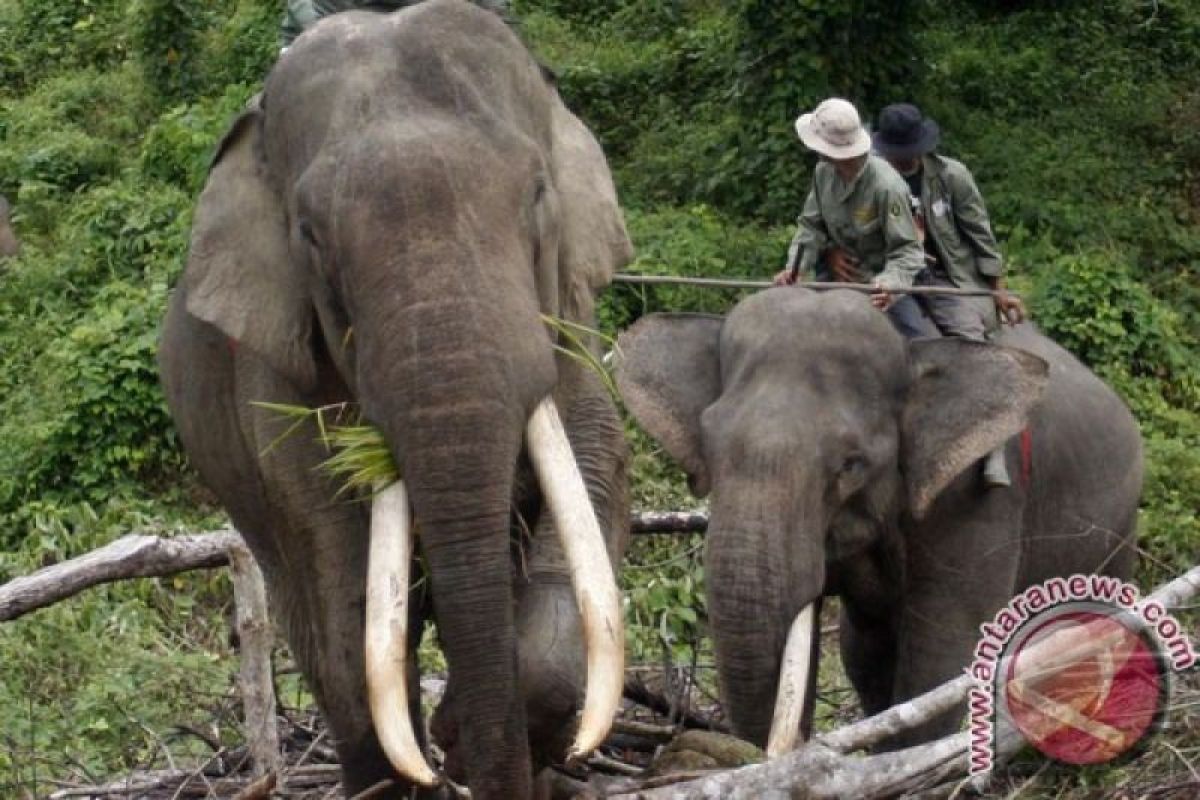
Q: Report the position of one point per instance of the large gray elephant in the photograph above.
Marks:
(385, 228)
(842, 461)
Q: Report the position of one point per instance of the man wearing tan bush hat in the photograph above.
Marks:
(857, 224)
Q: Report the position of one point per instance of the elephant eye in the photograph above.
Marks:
(851, 475)
(853, 465)
(307, 232)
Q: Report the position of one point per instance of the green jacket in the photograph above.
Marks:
(870, 217)
(302, 13)
(957, 220)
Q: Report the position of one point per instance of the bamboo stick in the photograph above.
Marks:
(821, 286)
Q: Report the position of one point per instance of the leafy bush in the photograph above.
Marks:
(167, 38)
(1094, 306)
(42, 37)
(792, 56)
(242, 46)
(179, 147)
(87, 683)
(695, 241)
(92, 417)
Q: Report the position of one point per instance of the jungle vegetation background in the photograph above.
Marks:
(1080, 120)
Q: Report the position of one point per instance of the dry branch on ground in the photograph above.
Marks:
(825, 768)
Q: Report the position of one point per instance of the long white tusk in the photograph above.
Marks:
(793, 684)
(387, 633)
(591, 573)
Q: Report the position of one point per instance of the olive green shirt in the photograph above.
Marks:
(870, 217)
(957, 221)
(302, 13)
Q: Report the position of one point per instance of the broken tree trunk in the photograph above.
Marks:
(257, 638)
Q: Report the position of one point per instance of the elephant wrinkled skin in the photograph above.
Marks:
(843, 461)
(384, 227)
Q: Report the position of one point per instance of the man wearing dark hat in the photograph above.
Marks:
(960, 249)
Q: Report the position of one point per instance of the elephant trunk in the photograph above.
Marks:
(456, 421)
(764, 577)
(449, 403)
(461, 500)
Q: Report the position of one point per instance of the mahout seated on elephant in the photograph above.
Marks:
(388, 232)
(837, 456)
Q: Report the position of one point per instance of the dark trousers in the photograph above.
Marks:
(919, 316)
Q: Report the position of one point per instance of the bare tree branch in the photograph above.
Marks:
(133, 556)
(668, 522)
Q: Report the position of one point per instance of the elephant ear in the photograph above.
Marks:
(966, 399)
(593, 242)
(668, 371)
(239, 275)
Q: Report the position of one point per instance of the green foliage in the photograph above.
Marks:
(662, 585)
(662, 580)
(166, 37)
(93, 683)
(1096, 307)
(94, 417)
(177, 149)
(1170, 521)
(42, 37)
(696, 241)
(790, 57)
(241, 47)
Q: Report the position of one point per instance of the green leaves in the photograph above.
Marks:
(359, 455)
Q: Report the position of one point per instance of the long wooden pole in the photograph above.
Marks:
(821, 286)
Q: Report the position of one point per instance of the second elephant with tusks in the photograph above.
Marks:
(386, 228)
(838, 460)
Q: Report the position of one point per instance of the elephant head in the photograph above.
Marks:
(386, 224)
(819, 433)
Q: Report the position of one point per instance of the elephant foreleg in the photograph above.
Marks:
(960, 571)
(869, 656)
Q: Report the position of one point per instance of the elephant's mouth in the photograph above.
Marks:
(591, 576)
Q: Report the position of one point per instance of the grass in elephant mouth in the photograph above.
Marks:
(359, 454)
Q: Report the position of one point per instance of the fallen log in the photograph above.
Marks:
(145, 556)
(133, 556)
